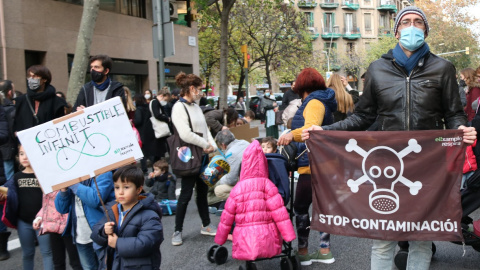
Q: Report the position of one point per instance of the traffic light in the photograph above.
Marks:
(243, 49)
(467, 50)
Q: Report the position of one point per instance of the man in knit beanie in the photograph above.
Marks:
(408, 88)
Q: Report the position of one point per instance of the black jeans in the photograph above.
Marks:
(58, 244)
(188, 183)
(303, 199)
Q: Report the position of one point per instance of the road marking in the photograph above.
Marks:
(13, 244)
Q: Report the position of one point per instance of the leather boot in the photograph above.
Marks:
(4, 254)
(303, 223)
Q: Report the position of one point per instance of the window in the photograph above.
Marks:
(34, 58)
(384, 23)
(329, 22)
(350, 22)
(368, 21)
(136, 8)
(329, 45)
(350, 48)
(310, 19)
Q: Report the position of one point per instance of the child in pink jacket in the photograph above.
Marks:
(258, 211)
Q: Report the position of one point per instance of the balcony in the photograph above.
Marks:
(387, 5)
(307, 3)
(329, 4)
(385, 33)
(331, 33)
(350, 4)
(313, 32)
(352, 33)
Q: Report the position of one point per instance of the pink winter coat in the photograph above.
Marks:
(258, 211)
(52, 220)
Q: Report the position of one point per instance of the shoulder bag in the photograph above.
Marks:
(161, 128)
(185, 158)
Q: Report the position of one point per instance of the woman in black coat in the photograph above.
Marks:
(144, 127)
(160, 113)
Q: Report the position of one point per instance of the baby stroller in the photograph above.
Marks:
(279, 169)
(470, 203)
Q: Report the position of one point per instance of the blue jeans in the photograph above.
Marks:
(88, 257)
(27, 235)
(3, 227)
(8, 166)
(465, 176)
(419, 255)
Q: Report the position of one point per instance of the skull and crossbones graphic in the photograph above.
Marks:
(383, 200)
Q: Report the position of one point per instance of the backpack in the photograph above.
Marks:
(289, 152)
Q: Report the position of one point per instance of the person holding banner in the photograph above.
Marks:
(40, 104)
(185, 111)
(317, 108)
(81, 201)
(409, 88)
(101, 87)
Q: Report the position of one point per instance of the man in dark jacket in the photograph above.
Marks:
(288, 96)
(8, 149)
(6, 87)
(409, 88)
(101, 87)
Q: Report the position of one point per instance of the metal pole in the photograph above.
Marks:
(161, 63)
(247, 94)
(451, 52)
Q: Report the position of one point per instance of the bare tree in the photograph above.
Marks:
(82, 49)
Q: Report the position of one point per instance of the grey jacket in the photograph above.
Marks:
(236, 148)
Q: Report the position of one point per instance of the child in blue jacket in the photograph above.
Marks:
(134, 233)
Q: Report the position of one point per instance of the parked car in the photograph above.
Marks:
(254, 102)
(278, 98)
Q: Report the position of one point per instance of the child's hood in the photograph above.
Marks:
(147, 200)
(254, 162)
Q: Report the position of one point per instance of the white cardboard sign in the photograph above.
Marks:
(81, 145)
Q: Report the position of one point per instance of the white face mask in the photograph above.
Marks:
(147, 96)
(163, 102)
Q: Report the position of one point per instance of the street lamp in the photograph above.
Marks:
(328, 60)
(331, 41)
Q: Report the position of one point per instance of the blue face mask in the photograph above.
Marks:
(267, 94)
(412, 38)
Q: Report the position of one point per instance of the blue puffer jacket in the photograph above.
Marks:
(87, 192)
(327, 97)
(139, 237)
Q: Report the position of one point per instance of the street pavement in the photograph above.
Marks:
(349, 252)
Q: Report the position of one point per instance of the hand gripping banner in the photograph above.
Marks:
(390, 185)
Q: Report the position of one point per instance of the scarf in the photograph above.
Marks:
(103, 85)
(41, 96)
(409, 63)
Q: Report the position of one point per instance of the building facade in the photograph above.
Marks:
(340, 26)
(45, 32)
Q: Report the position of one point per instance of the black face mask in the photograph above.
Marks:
(462, 83)
(96, 76)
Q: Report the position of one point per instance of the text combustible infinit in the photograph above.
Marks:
(72, 132)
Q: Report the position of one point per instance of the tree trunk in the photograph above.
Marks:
(267, 73)
(227, 6)
(82, 49)
(240, 83)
